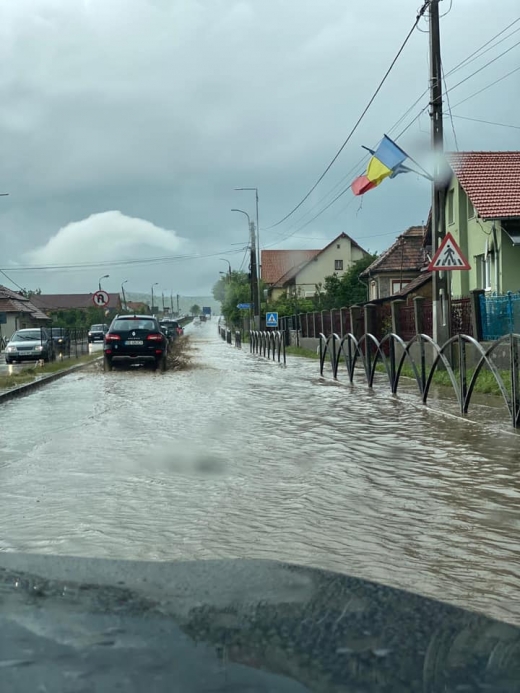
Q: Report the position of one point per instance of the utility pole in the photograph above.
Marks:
(441, 298)
(178, 309)
(255, 294)
(171, 302)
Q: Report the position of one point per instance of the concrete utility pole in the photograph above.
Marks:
(178, 309)
(441, 299)
(258, 254)
(255, 282)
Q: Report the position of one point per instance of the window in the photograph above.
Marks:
(471, 209)
(338, 265)
(451, 206)
(373, 290)
(484, 272)
(397, 285)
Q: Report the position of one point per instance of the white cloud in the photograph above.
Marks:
(104, 237)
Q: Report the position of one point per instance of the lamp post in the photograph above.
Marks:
(105, 276)
(124, 295)
(258, 256)
(229, 264)
(156, 284)
(254, 272)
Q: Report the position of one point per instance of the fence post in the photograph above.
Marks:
(418, 314)
(476, 313)
(356, 321)
(370, 318)
(515, 382)
(341, 330)
(322, 314)
(395, 308)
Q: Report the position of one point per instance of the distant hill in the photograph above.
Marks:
(185, 302)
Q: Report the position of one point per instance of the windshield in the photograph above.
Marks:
(97, 328)
(28, 335)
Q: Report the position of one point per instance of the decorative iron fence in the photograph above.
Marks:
(500, 315)
(392, 352)
(271, 345)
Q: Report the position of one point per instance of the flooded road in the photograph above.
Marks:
(239, 457)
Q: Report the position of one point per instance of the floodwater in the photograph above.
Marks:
(241, 458)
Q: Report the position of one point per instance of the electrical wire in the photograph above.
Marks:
(356, 125)
(487, 122)
(488, 86)
(447, 92)
(11, 280)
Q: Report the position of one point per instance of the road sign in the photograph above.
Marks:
(100, 299)
(448, 257)
(271, 319)
(244, 306)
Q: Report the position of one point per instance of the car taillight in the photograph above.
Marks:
(179, 330)
(112, 338)
(155, 338)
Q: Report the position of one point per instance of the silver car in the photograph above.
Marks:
(31, 344)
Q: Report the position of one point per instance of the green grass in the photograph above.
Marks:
(485, 384)
(300, 351)
(27, 375)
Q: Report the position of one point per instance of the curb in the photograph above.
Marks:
(27, 388)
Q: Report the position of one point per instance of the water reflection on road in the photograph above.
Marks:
(241, 458)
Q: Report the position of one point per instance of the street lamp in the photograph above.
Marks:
(229, 264)
(124, 295)
(105, 276)
(258, 256)
(156, 284)
(254, 269)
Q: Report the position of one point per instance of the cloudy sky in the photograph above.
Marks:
(126, 124)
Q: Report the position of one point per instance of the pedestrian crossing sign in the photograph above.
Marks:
(271, 319)
(448, 257)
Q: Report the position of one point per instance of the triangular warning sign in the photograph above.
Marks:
(448, 257)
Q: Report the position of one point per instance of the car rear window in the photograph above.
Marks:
(97, 327)
(125, 325)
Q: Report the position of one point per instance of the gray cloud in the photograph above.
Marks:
(159, 109)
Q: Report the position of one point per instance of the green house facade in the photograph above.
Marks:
(483, 215)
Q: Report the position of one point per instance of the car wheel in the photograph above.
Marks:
(107, 364)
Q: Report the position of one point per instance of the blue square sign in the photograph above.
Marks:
(271, 319)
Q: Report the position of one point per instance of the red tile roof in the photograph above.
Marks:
(13, 302)
(491, 180)
(284, 265)
(70, 301)
(276, 263)
(407, 254)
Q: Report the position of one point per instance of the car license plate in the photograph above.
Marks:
(134, 342)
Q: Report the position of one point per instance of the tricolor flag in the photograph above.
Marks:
(386, 162)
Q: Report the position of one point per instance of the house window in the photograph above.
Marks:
(373, 290)
(451, 206)
(471, 209)
(338, 265)
(398, 285)
(484, 272)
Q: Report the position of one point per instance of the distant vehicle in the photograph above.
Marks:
(171, 328)
(30, 344)
(135, 339)
(206, 311)
(61, 338)
(97, 333)
(202, 318)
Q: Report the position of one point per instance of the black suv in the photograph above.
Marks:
(171, 328)
(97, 333)
(135, 339)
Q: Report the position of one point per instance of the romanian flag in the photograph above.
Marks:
(386, 162)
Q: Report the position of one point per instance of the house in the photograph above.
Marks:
(19, 312)
(401, 264)
(137, 307)
(483, 215)
(300, 271)
(53, 302)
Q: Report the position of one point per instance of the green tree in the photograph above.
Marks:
(230, 290)
(195, 309)
(30, 292)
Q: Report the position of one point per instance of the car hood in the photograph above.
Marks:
(236, 626)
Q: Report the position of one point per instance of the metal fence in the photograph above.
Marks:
(500, 315)
(271, 345)
(393, 352)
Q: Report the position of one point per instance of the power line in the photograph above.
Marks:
(471, 58)
(356, 125)
(11, 280)
(488, 86)
(483, 67)
(487, 122)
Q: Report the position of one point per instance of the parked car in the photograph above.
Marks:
(171, 328)
(61, 338)
(31, 344)
(135, 339)
(97, 333)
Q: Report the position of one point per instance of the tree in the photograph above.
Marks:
(195, 309)
(230, 290)
(31, 292)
